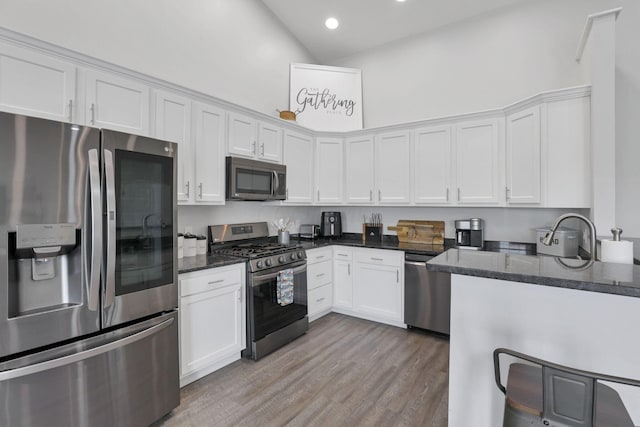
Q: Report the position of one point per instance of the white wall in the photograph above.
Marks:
(496, 59)
(235, 50)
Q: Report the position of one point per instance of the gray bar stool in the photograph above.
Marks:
(551, 395)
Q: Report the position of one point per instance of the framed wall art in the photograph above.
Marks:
(326, 98)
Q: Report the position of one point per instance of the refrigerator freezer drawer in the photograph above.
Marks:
(124, 377)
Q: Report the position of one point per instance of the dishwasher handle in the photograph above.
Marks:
(416, 259)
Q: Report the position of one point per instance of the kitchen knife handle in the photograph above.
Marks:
(94, 254)
(110, 270)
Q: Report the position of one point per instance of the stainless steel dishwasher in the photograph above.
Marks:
(427, 295)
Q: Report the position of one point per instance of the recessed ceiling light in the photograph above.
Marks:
(331, 23)
(400, 1)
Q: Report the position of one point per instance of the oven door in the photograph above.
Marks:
(267, 316)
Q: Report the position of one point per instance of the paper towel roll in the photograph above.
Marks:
(617, 251)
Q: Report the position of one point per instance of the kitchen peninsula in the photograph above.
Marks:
(572, 312)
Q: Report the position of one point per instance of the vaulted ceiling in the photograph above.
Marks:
(367, 24)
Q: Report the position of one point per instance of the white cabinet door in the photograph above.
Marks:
(478, 165)
(379, 291)
(523, 156)
(298, 157)
(432, 165)
(343, 283)
(392, 167)
(329, 170)
(37, 85)
(359, 169)
(567, 153)
(212, 320)
(269, 142)
(209, 132)
(117, 103)
(242, 135)
(173, 123)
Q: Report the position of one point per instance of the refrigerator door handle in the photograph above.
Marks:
(86, 354)
(94, 254)
(110, 258)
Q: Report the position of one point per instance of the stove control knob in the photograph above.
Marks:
(300, 255)
(281, 259)
(268, 262)
(260, 264)
(293, 257)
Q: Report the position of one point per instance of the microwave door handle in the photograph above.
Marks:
(93, 252)
(110, 268)
(276, 183)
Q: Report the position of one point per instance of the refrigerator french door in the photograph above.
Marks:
(88, 276)
(139, 272)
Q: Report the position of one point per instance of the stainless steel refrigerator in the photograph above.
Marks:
(88, 276)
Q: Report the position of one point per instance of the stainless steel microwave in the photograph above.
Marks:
(255, 180)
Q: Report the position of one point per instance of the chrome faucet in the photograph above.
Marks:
(548, 238)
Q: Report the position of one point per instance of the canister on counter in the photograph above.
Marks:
(189, 245)
(180, 245)
(201, 244)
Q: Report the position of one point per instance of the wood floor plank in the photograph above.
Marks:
(344, 372)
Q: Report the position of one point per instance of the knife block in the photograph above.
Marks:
(371, 234)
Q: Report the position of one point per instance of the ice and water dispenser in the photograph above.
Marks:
(44, 268)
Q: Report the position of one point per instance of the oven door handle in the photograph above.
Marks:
(261, 278)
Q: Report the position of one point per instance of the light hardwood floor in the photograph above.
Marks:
(343, 372)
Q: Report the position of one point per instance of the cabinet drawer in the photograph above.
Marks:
(381, 257)
(319, 255)
(319, 274)
(197, 282)
(320, 299)
(342, 253)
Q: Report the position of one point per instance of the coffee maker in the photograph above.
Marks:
(469, 233)
(331, 224)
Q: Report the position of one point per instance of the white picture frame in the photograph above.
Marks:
(326, 98)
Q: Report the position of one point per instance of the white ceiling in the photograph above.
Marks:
(366, 24)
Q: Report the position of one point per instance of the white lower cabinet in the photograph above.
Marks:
(342, 278)
(212, 311)
(319, 282)
(378, 291)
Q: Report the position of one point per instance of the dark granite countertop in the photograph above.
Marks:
(202, 262)
(388, 242)
(619, 279)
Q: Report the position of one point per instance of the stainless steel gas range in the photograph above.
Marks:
(276, 284)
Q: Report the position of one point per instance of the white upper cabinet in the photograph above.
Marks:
(359, 169)
(523, 157)
(478, 166)
(117, 103)
(392, 168)
(566, 150)
(432, 165)
(209, 132)
(37, 85)
(254, 139)
(173, 123)
(329, 170)
(298, 157)
(269, 142)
